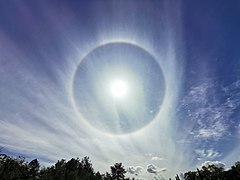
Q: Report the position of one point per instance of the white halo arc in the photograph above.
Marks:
(74, 74)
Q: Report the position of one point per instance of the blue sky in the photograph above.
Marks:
(180, 60)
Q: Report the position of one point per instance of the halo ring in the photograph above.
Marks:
(74, 103)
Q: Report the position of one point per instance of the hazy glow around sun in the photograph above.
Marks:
(118, 89)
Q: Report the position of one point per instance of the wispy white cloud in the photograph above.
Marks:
(136, 170)
(209, 108)
(213, 131)
(209, 112)
(197, 94)
(162, 169)
(156, 158)
(151, 168)
(207, 153)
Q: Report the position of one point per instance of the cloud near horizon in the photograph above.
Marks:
(217, 164)
(151, 168)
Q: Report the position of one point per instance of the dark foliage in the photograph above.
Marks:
(74, 169)
(81, 169)
(214, 173)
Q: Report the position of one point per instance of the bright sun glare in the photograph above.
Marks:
(119, 89)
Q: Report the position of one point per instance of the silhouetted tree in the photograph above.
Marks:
(13, 169)
(33, 169)
(190, 175)
(117, 172)
(107, 176)
(74, 169)
(234, 172)
(177, 177)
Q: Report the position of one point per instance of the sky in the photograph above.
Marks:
(177, 105)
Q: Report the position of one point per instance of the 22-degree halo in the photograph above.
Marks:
(137, 68)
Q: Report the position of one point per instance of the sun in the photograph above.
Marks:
(118, 89)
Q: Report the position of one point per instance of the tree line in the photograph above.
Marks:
(81, 169)
(75, 169)
(212, 172)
